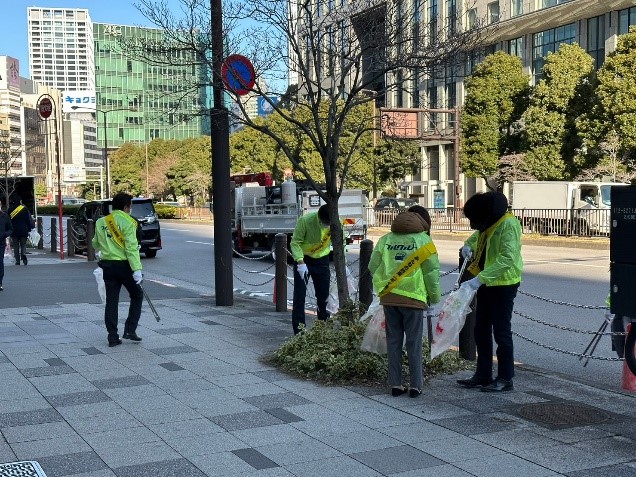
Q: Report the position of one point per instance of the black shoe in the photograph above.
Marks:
(17, 262)
(474, 382)
(1, 288)
(395, 392)
(413, 392)
(131, 336)
(111, 344)
(24, 259)
(498, 386)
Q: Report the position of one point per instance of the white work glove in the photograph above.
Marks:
(302, 270)
(466, 252)
(138, 277)
(609, 316)
(473, 284)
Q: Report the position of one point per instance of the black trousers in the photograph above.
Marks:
(320, 274)
(19, 248)
(116, 274)
(493, 318)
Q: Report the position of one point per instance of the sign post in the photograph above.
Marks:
(45, 110)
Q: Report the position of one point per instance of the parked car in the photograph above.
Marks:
(169, 203)
(394, 203)
(142, 210)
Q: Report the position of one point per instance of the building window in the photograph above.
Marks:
(432, 18)
(399, 90)
(517, 8)
(493, 12)
(472, 18)
(516, 48)
(415, 95)
(451, 16)
(548, 41)
(596, 39)
(551, 3)
(626, 18)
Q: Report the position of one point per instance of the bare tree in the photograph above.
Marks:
(512, 167)
(324, 59)
(614, 165)
(10, 150)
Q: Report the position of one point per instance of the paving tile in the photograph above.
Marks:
(481, 423)
(362, 441)
(62, 384)
(123, 454)
(457, 448)
(446, 470)
(418, 433)
(166, 468)
(505, 466)
(255, 459)
(165, 414)
(273, 401)
(234, 379)
(37, 431)
(172, 367)
(47, 371)
(84, 463)
(276, 434)
(203, 444)
(223, 464)
(121, 382)
(256, 389)
(397, 459)
(47, 447)
(210, 322)
(304, 450)
(271, 375)
(167, 351)
(607, 471)
(284, 415)
(73, 399)
(515, 439)
(25, 418)
(55, 362)
(101, 441)
(335, 467)
(576, 434)
(245, 420)
(91, 351)
(185, 428)
(175, 331)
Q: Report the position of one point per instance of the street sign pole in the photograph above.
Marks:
(46, 108)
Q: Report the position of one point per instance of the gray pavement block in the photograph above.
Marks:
(25, 418)
(6, 453)
(30, 450)
(123, 454)
(91, 351)
(62, 384)
(165, 414)
(38, 431)
(284, 415)
(275, 434)
(185, 428)
(223, 464)
(240, 379)
(376, 419)
(397, 459)
(505, 466)
(172, 367)
(457, 448)
(55, 362)
(304, 450)
(446, 470)
(169, 468)
(257, 389)
(99, 410)
(123, 382)
(605, 471)
(417, 433)
(176, 331)
(255, 459)
(245, 420)
(47, 371)
(335, 467)
(78, 464)
(274, 401)
(576, 434)
(361, 441)
(170, 350)
(204, 444)
(516, 439)
(480, 423)
(115, 420)
(27, 404)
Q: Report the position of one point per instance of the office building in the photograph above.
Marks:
(61, 48)
(10, 117)
(529, 29)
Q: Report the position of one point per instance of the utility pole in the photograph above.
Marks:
(220, 136)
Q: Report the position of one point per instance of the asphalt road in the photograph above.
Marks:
(185, 267)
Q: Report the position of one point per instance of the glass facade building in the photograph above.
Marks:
(139, 101)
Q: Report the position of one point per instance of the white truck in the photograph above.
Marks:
(561, 207)
(262, 211)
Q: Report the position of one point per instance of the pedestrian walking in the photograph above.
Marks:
(116, 240)
(405, 269)
(495, 251)
(22, 224)
(310, 247)
(6, 229)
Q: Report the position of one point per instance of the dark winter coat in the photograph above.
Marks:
(22, 223)
(6, 227)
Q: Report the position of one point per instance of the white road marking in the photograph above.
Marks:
(563, 262)
(163, 283)
(200, 243)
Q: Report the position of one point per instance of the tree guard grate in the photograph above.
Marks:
(21, 469)
(556, 414)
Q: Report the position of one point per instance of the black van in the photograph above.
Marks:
(148, 232)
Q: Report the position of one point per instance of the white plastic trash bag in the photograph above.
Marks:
(333, 302)
(7, 248)
(452, 317)
(101, 286)
(374, 339)
(34, 238)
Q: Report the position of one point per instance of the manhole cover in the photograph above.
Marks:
(562, 414)
(21, 469)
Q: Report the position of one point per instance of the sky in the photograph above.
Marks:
(13, 21)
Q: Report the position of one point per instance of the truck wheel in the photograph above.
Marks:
(630, 344)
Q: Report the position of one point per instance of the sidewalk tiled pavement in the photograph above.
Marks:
(195, 399)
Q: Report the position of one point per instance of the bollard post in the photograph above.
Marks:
(40, 227)
(53, 234)
(365, 283)
(90, 232)
(467, 345)
(70, 242)
(280, 280)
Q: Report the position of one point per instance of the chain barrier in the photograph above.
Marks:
(556, 302)
(238, 254)
(566, 328)
(271, 279)
(255, 271)
(441, 275)
(571, 353)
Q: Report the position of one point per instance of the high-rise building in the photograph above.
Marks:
(10, 117)
(61, 48)
(139, 101)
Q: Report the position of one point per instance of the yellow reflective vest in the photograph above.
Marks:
(108, 245)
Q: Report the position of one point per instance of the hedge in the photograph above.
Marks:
(53, 210)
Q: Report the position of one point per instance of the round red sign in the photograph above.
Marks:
(45, 108)
(238, 75)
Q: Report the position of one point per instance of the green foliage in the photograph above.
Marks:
(40, 191)
(397, 159)
(330, 352)
(556, 104)
(166, 211)
(53, 210)
(496, 95)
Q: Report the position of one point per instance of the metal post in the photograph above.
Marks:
(365, 283)
(53, 235)
(220, 137)
(90, 232)
(40, 227)
(280, 281)
(59, 189)
(70, 242)
(467, 345)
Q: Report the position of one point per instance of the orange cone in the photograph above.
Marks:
(628, 380)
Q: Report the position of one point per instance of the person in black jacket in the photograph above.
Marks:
(6, 229)
(22, 225)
